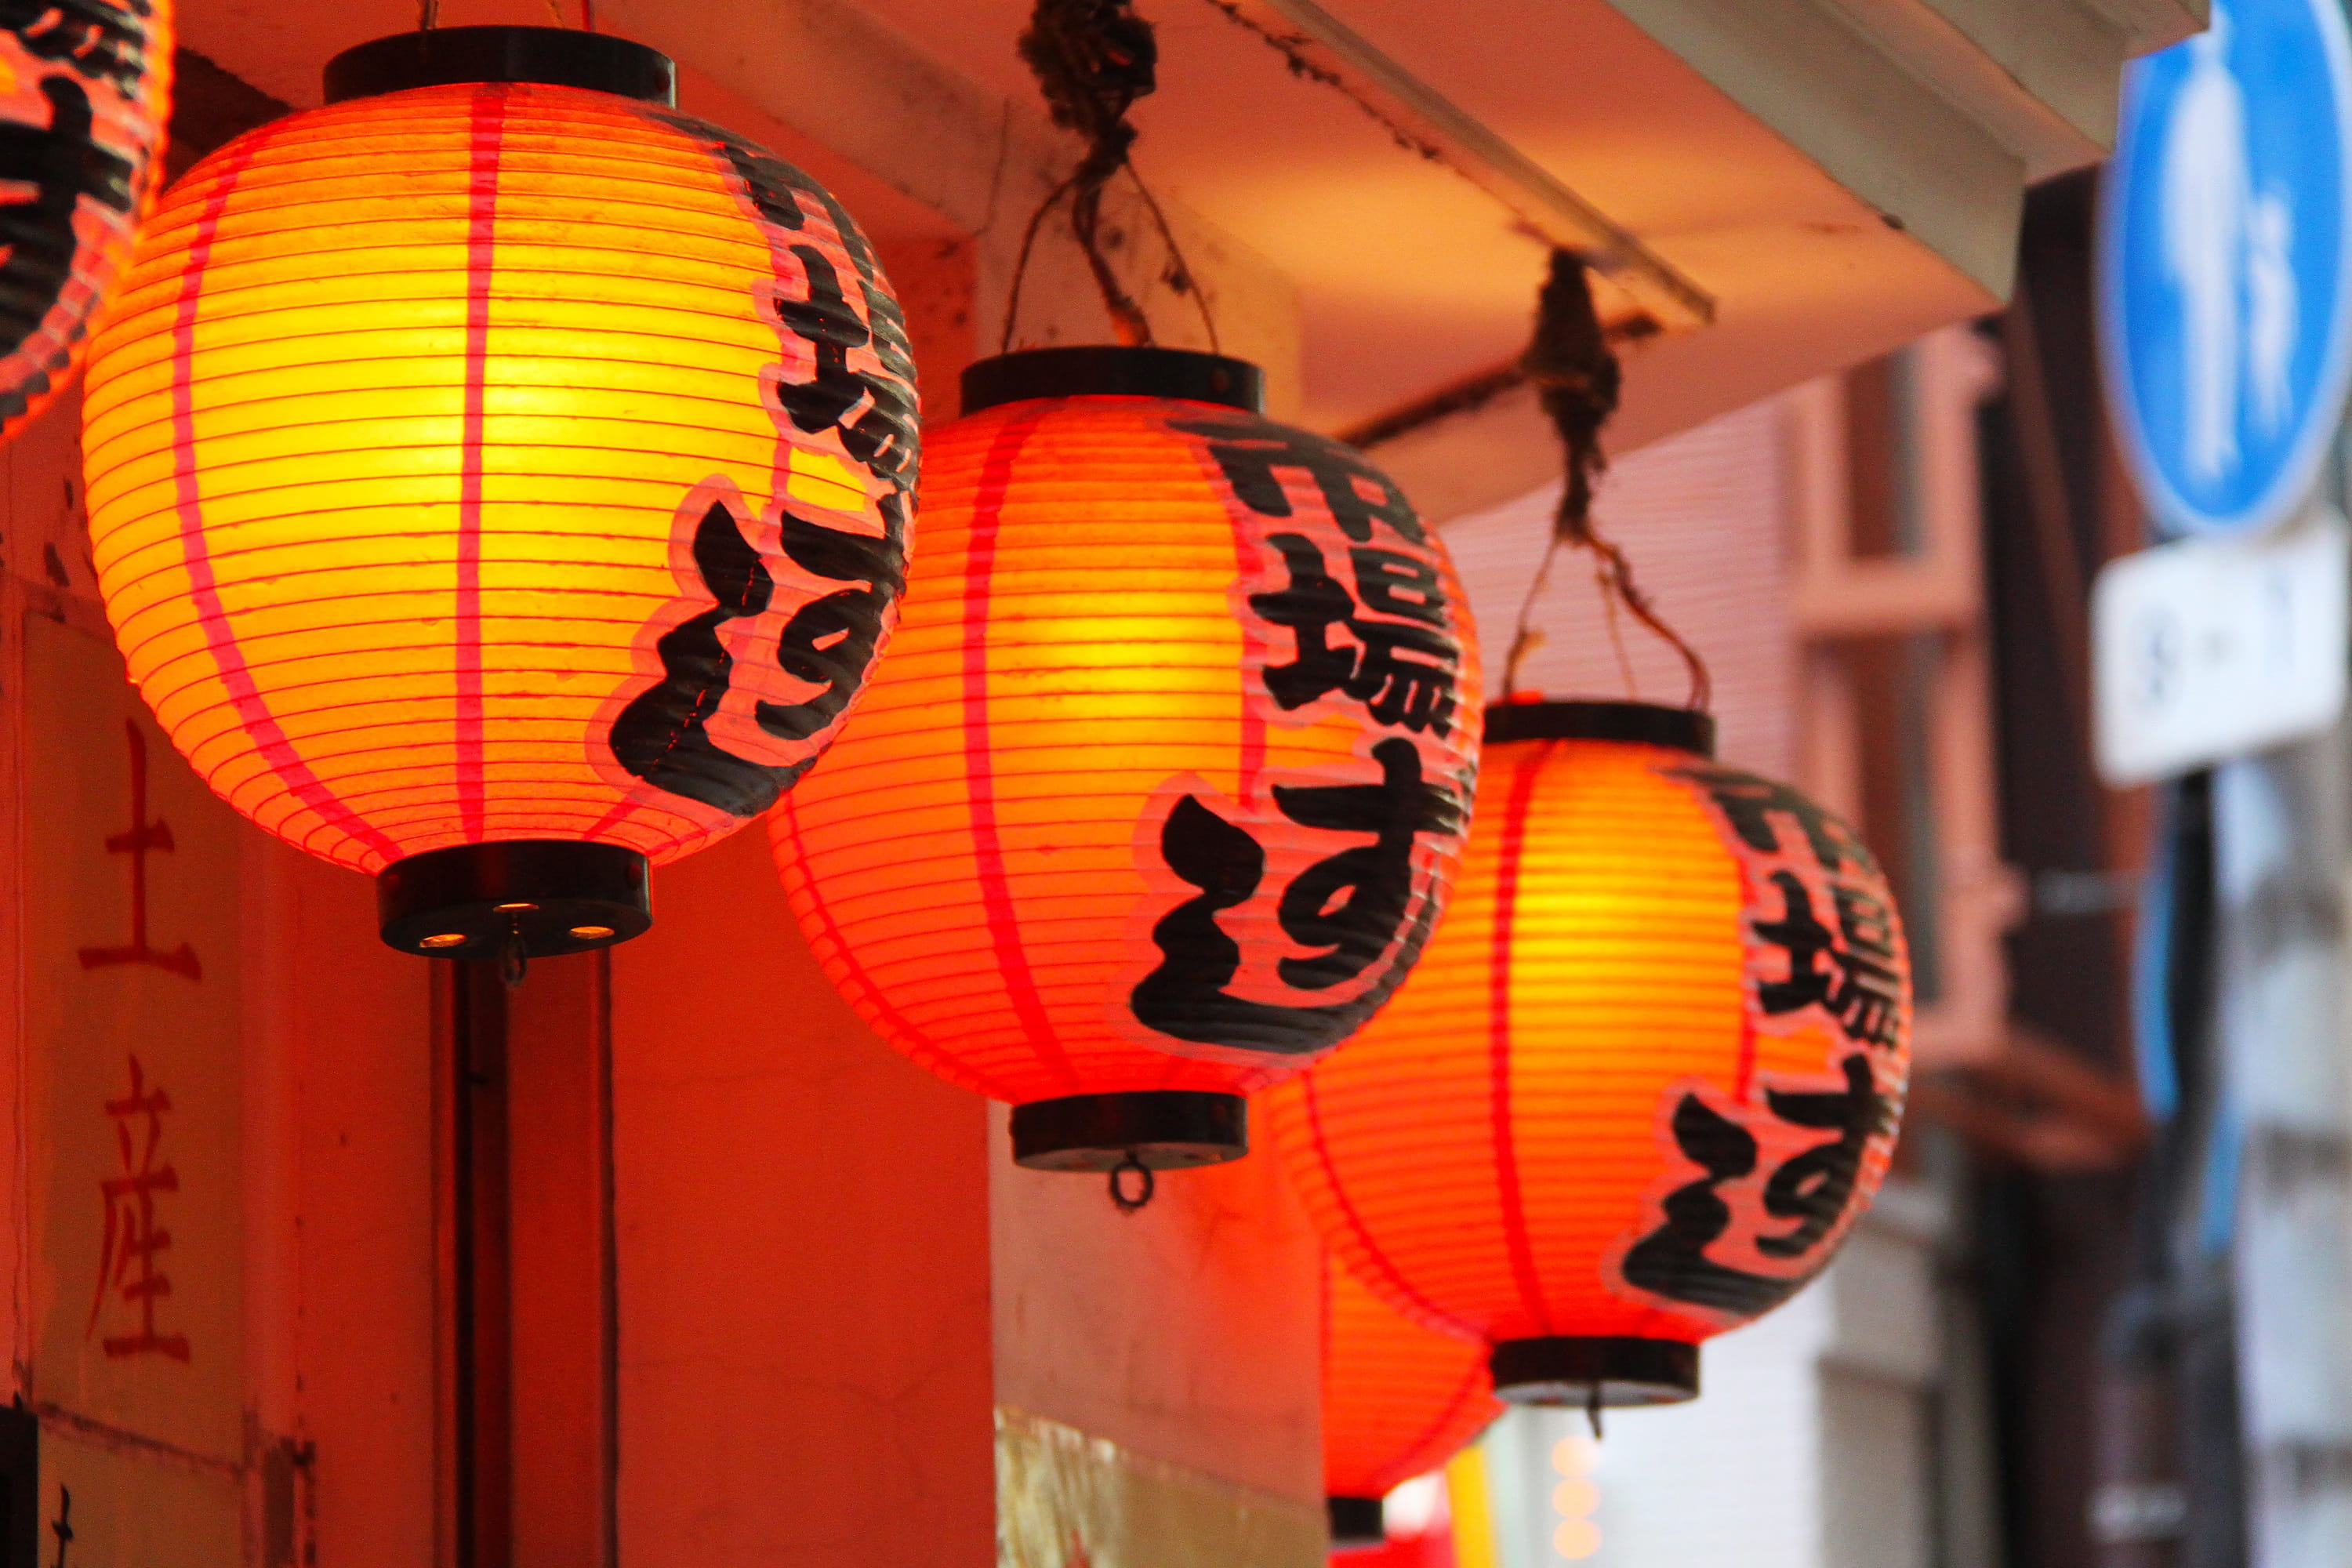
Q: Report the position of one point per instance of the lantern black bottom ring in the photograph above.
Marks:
(532, 898)
(1571, 1370)
(1356, 1520)
(1158, 1129)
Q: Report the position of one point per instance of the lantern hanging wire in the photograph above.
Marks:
(1092, 60)
(1577, 382)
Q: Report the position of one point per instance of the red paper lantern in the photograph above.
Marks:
(1161, 786)
(500, 480)
(1399, 1400)
(85, 91)
(1645, 1076)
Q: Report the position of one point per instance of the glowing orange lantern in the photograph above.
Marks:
(85, 89)
(1399, 1400)
(1645, 1076)
(498, 479)
(1163, 783)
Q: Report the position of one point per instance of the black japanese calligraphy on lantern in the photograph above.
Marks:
(1826, 922)
(54, 166)
(1358, 906)
(1807, 1195)
(1813, 1188)
(874, 413)
(1849, 971)
(861, 389)
(97, 40)
(1403, 671)
(873, 408)
(831, 641)
(662, 734)
(1383, 634)
(1253, 453)
(1671, 1260)
(1750, 803)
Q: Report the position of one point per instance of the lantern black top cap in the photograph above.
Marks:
(1643, 723)
(1108, 371)
(552, 56)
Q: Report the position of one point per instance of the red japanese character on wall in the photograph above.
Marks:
(142, 837)
(129, 1264)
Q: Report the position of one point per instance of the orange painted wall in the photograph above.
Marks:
(1188, 1333)
(339, 1067)
(803, 1219)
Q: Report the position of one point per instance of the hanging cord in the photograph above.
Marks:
(1092, 60)
(1592, 1410)
(1143, 1191)
(428, 14)
(1576, 380)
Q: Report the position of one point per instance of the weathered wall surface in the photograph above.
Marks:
(220, 1199)
(802, 1220)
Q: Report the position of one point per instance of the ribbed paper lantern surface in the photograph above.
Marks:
(1399, 1400)
(496, 483)
(1162, 785)
(85, 90)
(1645, 1076)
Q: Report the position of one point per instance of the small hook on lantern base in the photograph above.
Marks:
(1143, 1192)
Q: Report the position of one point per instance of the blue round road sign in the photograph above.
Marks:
(2225, 264)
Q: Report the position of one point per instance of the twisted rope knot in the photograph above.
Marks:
(1092, 60)
(1577, 381)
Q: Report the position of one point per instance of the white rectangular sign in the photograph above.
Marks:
(2206, 649)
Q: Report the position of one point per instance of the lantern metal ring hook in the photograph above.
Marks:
(1119, 1200)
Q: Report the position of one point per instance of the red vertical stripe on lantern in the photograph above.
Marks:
(481, 240)
(253, 713)
(988, 847)
(1389, 1273)
(1508, 849)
